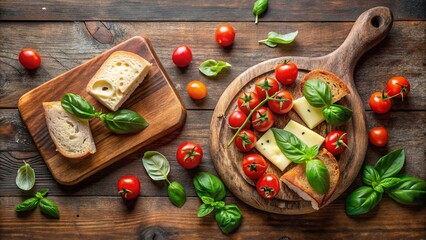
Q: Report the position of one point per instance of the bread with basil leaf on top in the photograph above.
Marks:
(337, 87)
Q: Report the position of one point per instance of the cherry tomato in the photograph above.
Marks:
(245, 140)
(283, 102)
(237, 118)
(398, 87)
(262, 119)
(129, 187)
(29, 58)
(189, 155)
(224, 34)
(380, 102)
(378, 136)
(336, 142)
(196, 90)
(182, 56)
(286, 72)
(266, 84)
(254, 166)
(268, 186)
(247, 101)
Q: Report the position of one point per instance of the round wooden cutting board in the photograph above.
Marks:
(370, 28)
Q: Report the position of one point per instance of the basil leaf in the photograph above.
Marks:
(218, 204)
(362, 200)
(317, 93)
(156, 165)
(390, 164)
(370, 176)
(291, 146)
(275, 38)
(124, 121)
(337, 115)
(43, 192)
(409, 191)
(177, 194)
(204, 210)
(389, 182)
(318, 176)
(207, 200)
(49, 208)
(228, 218)
(209, 185)
(378, 188)
(25, 179)
(27, 205)
(212, 67)
(78, 106)
(259, 8)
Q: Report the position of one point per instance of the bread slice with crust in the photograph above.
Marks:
(297, 181)
(71, 135)
(337, 86)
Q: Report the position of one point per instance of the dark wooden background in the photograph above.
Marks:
(68, 33)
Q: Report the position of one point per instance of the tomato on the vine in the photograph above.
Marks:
(268, 186)
(262, 119)
(380, 102)
(247, 101)
(29, 58)
(129, 187)
(245, 140)
(286, 72)
(189, 155)
(336, 142)
(196, 90)
(282, 103)
(182, 56)
(224, 34)
(266, 84)
(378, 136)
(254, 166)
(236, 119)
(398, 87)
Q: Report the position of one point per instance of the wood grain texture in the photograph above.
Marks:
(156, 90)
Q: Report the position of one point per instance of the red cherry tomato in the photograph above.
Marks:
(286, 72)
(378, 136)
(224, 34)
(398, 87)
(380, 102)
(262, 119)
(29, 58)
(247, 101)
(254, 166)
(245, 140)
(283, 102)
(264, 84)
(189, 155)
(336, 142)
(129, 187)
(182, 56)
(268, 186)
(236, 119)
(196, 90)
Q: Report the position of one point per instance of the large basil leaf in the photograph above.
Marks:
(156, 165)
(291, 146)
(317, 93)
(25, 179)
(389, 182)
(209, 185)
(337, 115)
(78, 106)
(410, 191)
(124, 121)
(318, 176)
(228, 218)
(27, 205)
(362, 200)
(370, 176)
(390, 164)
(177, 194)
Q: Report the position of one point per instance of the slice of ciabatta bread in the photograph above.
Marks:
(296, 180)
(71, 135)
(117, 78)
(337, 86)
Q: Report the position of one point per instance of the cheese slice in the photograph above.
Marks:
(306, 135)
(312, 116)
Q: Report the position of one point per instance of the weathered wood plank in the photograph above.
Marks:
(208, 10)
(108, 218)
(66, 45)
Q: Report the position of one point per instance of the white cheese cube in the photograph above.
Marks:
(306, 135)
(268, 147)
(312, 116)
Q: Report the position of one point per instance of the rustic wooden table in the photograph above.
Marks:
(68, 33)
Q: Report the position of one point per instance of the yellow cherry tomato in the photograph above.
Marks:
(196, 89)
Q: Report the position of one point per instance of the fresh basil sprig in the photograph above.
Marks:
(275, 38)
(47, 206)
(120, 122)
(212, 67)
(158, 167)
(259, 8)
(25, 179)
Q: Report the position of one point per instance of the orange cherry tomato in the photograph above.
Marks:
(196, 90)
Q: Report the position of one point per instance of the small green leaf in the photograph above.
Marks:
(275, 38)
(207, 200)
(318, 176)
(337, 115)
(78, 106)
(259, 8)
(156, 165)
(219, 204)
(43, 192)
(362, 200)
(49, 208)
(378, 188)
(27, 205)
(370, 175)
(124, 121)
(204, 210)
(390, 164)
(212, 67)
(25, 179)
(177, 194)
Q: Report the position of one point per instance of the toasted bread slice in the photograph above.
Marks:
(117, 78)
(296, 180)
(337, 86)
(71, 135)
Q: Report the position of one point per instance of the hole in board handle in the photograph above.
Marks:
(377, 21)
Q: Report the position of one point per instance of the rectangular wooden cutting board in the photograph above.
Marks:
(155, 99)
